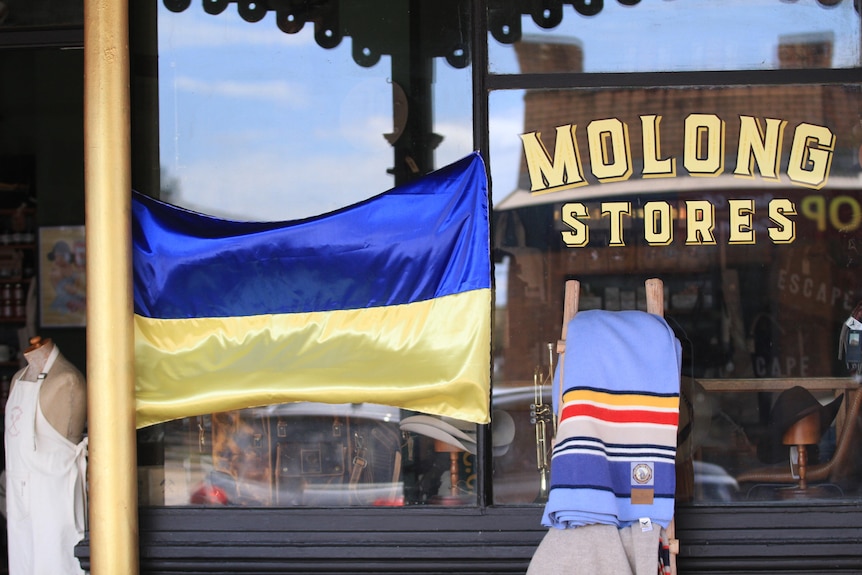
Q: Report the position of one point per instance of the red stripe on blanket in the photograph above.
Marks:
(621, 415)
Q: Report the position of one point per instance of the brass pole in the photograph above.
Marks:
(110, 348)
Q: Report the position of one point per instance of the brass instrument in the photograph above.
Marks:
(541, 416)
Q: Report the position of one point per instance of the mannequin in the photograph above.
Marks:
(46, 416)
(63, 396)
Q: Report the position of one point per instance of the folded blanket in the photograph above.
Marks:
(613, 457)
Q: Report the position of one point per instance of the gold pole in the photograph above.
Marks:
(110, 349)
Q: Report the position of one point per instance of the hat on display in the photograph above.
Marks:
(502, 430)
(462, 434)
(436, 428)
(791, 406)
(696, 410)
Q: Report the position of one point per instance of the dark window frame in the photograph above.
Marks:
(713, 540)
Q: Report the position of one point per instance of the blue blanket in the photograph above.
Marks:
(613, 457)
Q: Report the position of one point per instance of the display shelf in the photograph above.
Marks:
(18, 257)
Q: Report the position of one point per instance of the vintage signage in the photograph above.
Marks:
(700, 222)
(758, 149)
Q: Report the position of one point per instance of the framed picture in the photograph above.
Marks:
(62, 278)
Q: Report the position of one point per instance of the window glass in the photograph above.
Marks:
(311, 454)
(661, 36)
(745, 201)
(259, 124)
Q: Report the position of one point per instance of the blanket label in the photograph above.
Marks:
(641, 496)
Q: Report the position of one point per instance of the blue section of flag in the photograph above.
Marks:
(416, 242)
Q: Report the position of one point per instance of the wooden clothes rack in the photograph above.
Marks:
(655, 305)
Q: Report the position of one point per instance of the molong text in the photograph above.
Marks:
(609, 149)
(758, 150)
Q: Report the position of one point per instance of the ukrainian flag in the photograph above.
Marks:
(387, 301)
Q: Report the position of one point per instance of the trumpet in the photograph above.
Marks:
(541, 416)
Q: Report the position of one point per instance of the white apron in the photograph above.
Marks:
(45, 486)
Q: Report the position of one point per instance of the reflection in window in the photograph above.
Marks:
(758, 251)
(310, 454)
(259, 124)
(678, 36)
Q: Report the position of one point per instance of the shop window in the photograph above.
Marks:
(268, 116)
(745, 200)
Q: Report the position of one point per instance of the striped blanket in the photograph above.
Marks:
(613, 457)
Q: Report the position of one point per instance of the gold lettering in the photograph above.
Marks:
(811, 156)
(785, 232)
(610, 151)
(741, 229)
(658, 223)
(654, 167)
(659, 217)
(579, 234)
(760, 141)
(700, 221)
(616, 211)
(563, 172)
(704, 145)
(755, 144)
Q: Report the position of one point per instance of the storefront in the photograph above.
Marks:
(716, 146)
